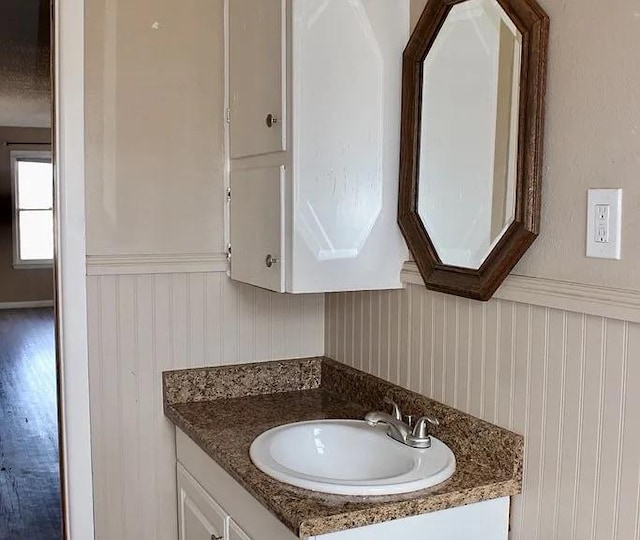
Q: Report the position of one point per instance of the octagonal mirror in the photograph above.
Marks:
(472, 116)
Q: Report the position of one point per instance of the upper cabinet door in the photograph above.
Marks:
(256, 88)
(256, 216)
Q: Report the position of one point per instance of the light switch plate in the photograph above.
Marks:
(604, 223)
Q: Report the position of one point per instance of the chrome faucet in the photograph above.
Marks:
(398, 430)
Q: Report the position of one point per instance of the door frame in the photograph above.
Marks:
(70, 270)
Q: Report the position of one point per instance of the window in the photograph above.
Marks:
(33, 204)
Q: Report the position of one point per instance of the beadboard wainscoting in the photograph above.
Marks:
(143, 324)
(568, 381)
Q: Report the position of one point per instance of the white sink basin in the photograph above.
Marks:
(349, 457)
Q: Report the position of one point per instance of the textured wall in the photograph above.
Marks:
(142, 325)
(565, 380)
(18, 285)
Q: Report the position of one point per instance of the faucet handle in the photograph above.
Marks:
(421, 429)
(397, 413)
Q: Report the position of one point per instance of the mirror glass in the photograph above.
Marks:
(469, 132)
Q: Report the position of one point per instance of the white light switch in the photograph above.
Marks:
(604, 220)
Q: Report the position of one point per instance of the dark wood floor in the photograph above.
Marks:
(29, 473)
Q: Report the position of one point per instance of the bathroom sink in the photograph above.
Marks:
(349, 457)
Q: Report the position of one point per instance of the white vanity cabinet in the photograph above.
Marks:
(199, 516)
(313, 97)
(213, 506)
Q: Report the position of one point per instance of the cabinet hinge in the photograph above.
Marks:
(227, 115)
(229, 251)
(228, 194)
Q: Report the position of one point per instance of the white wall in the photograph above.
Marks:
(154, 114)
(154, 182)
(563, 379)
(140, 326)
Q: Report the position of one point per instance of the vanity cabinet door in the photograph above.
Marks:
(235, 532)
(256, 90)
(199, 517)
(256, 227)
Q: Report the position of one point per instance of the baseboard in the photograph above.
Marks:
(623, 304)
(101, 265)
(26, 305)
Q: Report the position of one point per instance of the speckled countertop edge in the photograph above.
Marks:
(488, 467)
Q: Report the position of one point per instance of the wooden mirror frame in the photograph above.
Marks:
(533, 24)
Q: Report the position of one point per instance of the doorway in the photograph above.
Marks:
(30, 492)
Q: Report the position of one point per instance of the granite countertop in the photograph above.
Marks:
(207, 404)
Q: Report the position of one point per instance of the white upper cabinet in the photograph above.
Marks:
(329, 73)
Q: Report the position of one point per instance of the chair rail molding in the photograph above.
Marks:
(172, 263)
(609, 302)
